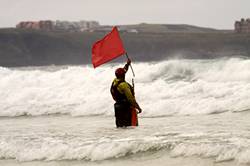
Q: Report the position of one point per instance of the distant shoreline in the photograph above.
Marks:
(40, 48)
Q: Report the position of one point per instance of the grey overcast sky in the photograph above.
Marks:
(219, 14)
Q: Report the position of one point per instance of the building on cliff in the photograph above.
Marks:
(75, 26)
(42, 25)
(242, 26)
(49, 25)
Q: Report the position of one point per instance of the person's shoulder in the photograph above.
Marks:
(124, 85)
(115, 81)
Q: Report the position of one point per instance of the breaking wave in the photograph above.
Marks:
(173, 87)
(73, 147)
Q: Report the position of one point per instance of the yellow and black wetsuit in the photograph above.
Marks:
(123, 94)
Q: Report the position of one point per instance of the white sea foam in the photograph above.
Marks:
(218, 137)
(174, 87)
(221, 153)
(66, 147)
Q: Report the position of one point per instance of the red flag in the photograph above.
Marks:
(108, 48)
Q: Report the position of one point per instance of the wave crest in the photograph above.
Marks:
(174, 87)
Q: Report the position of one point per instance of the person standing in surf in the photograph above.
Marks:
(103, 51)
(125, 103)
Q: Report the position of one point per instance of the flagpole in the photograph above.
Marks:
(131, 66)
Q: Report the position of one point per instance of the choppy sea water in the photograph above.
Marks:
(195, 112)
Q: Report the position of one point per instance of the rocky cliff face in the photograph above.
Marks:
(67, 26)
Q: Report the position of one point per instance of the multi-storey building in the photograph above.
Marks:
(242, 26)
(49, 25)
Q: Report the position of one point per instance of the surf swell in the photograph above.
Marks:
(174, 87)
(75, 147)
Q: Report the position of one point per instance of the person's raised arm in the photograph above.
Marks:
(127, 65)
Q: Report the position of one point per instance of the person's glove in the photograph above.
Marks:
(128, 61)
(139, 110)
